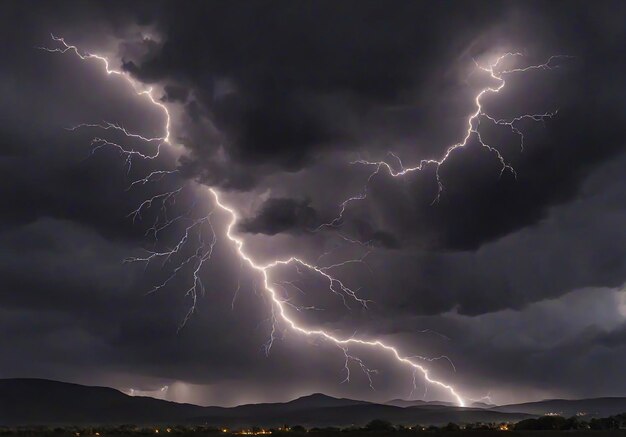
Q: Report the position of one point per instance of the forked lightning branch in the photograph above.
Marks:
(282, 311)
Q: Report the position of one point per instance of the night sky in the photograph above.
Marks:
(519, 281)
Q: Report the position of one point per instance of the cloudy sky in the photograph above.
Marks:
(517, 278)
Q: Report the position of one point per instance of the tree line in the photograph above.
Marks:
(544, 423)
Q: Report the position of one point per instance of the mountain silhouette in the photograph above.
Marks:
(595, 407)
(45, 402)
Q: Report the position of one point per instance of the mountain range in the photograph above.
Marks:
(45, 402)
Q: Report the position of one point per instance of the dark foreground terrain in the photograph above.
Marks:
(325, 433)
(35, 406)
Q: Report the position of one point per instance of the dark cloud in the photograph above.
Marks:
(215, 172)
(558, 156)
(366, 234)
(286, 89)
(281, 215)
(175, 93)
(287, 86)
(576, 245)
(271, 102)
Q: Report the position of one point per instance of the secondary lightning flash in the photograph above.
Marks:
(473, 123)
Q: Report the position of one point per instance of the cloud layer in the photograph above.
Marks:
(271, 103)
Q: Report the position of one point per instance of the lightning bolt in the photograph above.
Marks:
(280, 305)
(139, 89)
(486, 398)
(473, 124)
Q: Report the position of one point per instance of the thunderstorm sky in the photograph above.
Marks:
(518, 280)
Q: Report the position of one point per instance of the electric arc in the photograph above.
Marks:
(280, 307)
(473, 123)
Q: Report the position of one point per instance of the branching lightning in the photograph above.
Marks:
(139, 90)
(203, 250)
(483, 399)
(473, 123)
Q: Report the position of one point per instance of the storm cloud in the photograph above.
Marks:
(274, 103)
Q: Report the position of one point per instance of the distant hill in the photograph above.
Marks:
(482, 405)
(598, 407)
(313, 401)
(44, 402)
(355, 415)
(40, 401)
(417, 403)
